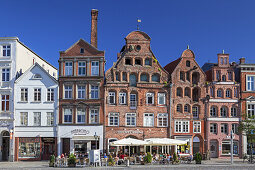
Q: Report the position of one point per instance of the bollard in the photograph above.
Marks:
(127, 163)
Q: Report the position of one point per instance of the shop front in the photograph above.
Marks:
(79, 139)
(184, 150)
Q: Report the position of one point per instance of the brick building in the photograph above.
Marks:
(136, 95)
(188, 95)
(247, 82)
(81, 95)
(222, 108)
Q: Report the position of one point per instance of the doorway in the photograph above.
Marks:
(5, 145)
(196, 145)
(213, 149)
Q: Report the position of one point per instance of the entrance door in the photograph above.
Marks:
(196, 145)
(213, 149)
(5, 146)
(66, 146)
(48, 150)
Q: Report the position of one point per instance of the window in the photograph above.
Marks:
(68, 92)
(138, 62)
(5, 103)
(147, 62)
(29, 148)
(23, 118)
(81, 91)
(188, 63)
(224, 78)
(82, 50)
(182, 76)
(128, 61)
(23, 94)
(233, 112)
(187, 92)
(179, 92)
(94, 92)
(6, 50)
(229, 75)
(113, 119)
(182, 126)
(124, 76)
(234, 128)
(186, 108)
(111, 98)
(137, 47)
(179, 108)
(161, 98)
(144, 77)
(133, 101)
(250, 83)
(68, 68)
(148, 120)
(219, 93)
(150, 98)
(228, 93)
(37, 76)
(251, 110)
(213, 128)
(122, 98)
(50, 95)
(37, 119)
(236, 92)
(117, 75)
(218, 75)
(226, 145)
(225, 61)
(50, 118)
(212, 91)
(224, 128)
(223, 111)
(162, 120)
(195, 111)
(196, 127)
(94, 68)
(68, 114)
(82, 68)
(94, 116)
(187, 76)
(5, 74)
(155, 78)
(132, 80)
(130, 119)
(221, 61)
(81, 115)
(213, 111)
(37, 94)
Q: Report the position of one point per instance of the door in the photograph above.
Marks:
(196, 145)
(66, 146)
(213, 149)
(48, 150)
(5, 148)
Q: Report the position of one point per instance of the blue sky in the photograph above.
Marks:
(208, 26)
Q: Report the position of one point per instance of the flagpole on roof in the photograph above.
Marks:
(138, 20)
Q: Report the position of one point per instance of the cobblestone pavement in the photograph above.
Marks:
(206, 165)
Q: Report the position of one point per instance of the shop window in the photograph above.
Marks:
(29, 148)
(80, 147)
(226, 145)
(95, 144)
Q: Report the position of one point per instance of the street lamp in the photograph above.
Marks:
(96, 137)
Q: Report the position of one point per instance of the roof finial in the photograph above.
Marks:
(138, 20)
(188, 46)
(223, 51)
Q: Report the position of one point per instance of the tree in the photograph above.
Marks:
(247, 127)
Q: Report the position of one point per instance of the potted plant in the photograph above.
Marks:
(111, 161)
(175, 159)
(52, 161)
(148, 158)
(198, 158)
(71, 160)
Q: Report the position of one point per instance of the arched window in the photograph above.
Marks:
(148, 62)
(155, 78)
(213, 111)
(195, 111)
(179, 108)
(234, 112)
(224, 78)
(179, 92)
(228, 93)
(128, 61)
(223, 111)
(182, 75)
(187, 91)
(144, 77)
(188, 63)
(117, 74)
(138, 61)
(132, 80)
(219, 93)
(196, 94)
(187, 108)
(124, 76)
(195, 77)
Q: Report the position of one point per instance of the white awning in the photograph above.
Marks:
(165, 141)
(83, 138)
(128, 142)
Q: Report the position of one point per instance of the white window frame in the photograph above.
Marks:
(23, 94)
(68, 91)
(250, 110)
(93, 113)
(94, 92)
(250, 82)
(7, 50)
(161, 118)
(68, 112)
(23, 118)
(234, 128)
(181, 126)
(195, 111)
(37, 94)
(50, 95)
(81, 91)
(81, 112)
(68, 68)
(224, 128)
(233, 111)
(50, 118)
(162, 96)
(196, 126)
(148, 120)
(94, 68)
(147, 98)
(214, 128)
(113, 117)
(6, 74)
(213, 111)
(131, 116)
(228, 93)
(112, 96)
(224, 110)
(82, 68)
(5, 100)
(37, 119)
(220, 93)
(123, 96)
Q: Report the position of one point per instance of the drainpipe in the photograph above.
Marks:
(170, 104)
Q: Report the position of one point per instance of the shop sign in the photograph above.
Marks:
(49, 140)
(129, 132)
(79, 132)
(29, 140)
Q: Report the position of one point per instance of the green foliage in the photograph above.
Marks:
(247, 126)
(175, 158)
(71, 159)
(198, 158)
(148, 158)
(52, 161)
(111, 161)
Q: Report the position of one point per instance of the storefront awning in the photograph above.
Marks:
(83, 138)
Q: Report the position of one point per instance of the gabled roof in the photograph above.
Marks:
(89, 50)
(28, 70)
(171, 66)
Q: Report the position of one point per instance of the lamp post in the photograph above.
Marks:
(96, 137)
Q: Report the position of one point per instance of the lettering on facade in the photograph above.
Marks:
(129, 132)
(79, 132)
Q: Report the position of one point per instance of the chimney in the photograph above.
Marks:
(242, 60)
(93, 38)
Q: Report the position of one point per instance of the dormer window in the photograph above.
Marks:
(188, 63)
(138, 62)
(128, 61)
(82, 50)
(147, 62)
(37, 76)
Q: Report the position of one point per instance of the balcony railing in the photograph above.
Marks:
(133, 104)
